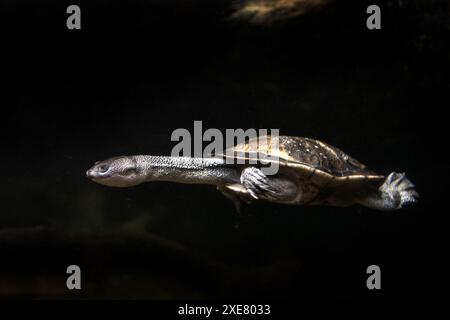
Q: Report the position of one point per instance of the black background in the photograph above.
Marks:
(137, 70)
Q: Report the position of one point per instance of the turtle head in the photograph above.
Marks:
(115, 172)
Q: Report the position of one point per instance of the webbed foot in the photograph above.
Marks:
(258, 184)
(397, 191)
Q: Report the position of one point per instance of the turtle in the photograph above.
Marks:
(309, 172)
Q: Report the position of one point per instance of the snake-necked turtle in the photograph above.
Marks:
(310, 173)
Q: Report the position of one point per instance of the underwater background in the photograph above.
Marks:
(138, 70)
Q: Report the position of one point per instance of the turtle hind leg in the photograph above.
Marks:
(396, 192)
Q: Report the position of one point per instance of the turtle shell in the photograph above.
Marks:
(310, 158)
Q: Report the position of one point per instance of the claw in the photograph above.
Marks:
(399, 178)
(390, 177)
(252, 194)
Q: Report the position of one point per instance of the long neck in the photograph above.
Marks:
(186, 170)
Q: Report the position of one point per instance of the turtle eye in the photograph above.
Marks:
(103, 168)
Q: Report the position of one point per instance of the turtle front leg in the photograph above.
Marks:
(272, 188)
(396, 192)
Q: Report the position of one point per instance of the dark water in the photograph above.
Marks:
(136, 72)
